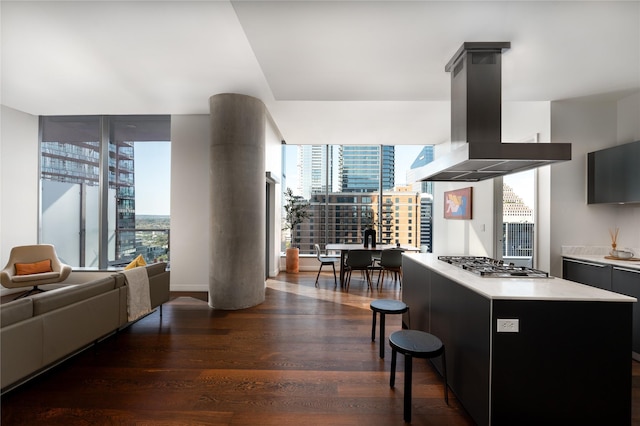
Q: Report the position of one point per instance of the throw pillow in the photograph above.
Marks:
(33, 268)
(138, 261)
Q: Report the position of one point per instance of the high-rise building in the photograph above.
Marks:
(513, 208)
(343, 217)
(315, 163)
(361, 165)
(426, 221)
(400, 221)
(77, 163)
(517, 226)
(423, 158)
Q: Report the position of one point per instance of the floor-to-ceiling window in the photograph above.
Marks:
(343, 185)
(105, 188)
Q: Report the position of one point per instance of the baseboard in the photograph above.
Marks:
(189, 287)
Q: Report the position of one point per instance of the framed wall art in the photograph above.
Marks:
(457, 204)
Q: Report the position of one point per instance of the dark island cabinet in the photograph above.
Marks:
(593, 274)
(454, 314)
(627, 281)
(567, 363)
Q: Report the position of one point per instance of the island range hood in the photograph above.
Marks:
(477, 150)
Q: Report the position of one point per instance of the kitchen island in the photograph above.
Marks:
(561, 356)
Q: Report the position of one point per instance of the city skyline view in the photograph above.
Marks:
(405, 155)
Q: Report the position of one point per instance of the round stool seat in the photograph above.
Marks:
(418, 344)
(385, 306)
(415, 344)
(389, 306)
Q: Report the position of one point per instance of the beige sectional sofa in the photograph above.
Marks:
(38, 331)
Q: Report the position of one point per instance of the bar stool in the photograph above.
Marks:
(418, 344)
(385, 306)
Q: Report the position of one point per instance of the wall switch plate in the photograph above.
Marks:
(508, 325)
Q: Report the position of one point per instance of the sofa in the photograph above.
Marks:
(38, 331)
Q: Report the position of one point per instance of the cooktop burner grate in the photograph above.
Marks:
(487, 267)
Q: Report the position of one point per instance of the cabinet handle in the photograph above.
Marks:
(635, 271)
(599, 265)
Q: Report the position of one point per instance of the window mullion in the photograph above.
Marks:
(103, 239)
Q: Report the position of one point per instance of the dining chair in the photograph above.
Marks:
(326, 260)
(390, 261)
(358, 260)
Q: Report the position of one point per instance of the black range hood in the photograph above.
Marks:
(477, 151)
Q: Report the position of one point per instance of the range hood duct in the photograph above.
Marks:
(477, 151)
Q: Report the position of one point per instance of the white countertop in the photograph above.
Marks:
(548, 289)
(598, 258)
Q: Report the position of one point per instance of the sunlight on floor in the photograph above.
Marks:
(330, 295)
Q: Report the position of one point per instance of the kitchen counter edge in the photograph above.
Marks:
(549, 289)
(594, 258)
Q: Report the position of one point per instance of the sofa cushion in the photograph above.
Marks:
(15, 311)
(20, 350)
(33, 267)
(54, 299)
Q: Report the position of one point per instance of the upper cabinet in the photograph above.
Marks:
(613, 175)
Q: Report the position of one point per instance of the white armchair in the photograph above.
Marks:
(9, 277)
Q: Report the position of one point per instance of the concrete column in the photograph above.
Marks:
(237, 182)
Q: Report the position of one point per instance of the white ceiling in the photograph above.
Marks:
(329, 71)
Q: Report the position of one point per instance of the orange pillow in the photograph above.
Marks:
(33, 268)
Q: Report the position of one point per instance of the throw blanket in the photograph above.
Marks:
(138, 298)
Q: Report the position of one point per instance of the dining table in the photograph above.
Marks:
(344, 248)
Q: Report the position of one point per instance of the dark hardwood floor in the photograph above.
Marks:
(303, 357)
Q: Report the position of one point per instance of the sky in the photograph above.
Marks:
(152, 168)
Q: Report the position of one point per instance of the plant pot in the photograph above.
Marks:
(293, 260)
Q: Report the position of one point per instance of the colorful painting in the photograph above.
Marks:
(457, 204)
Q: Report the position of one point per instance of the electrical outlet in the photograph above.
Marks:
(508, 326)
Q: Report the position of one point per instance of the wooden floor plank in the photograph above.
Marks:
(303, 357)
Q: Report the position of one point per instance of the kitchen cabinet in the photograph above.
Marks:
(589, 273)
(567, 362)
(620, 279)
(627, 281)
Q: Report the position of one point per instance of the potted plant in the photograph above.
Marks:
(295, 209)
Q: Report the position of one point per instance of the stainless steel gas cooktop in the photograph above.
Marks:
(492, 268)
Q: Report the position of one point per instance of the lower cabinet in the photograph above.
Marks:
(627, 281)
(608, 277)
(593, 274)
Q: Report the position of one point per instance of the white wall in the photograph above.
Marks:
(190, 254)
(18, 180)
(628, 131)
(464, 237)
(589, 125)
